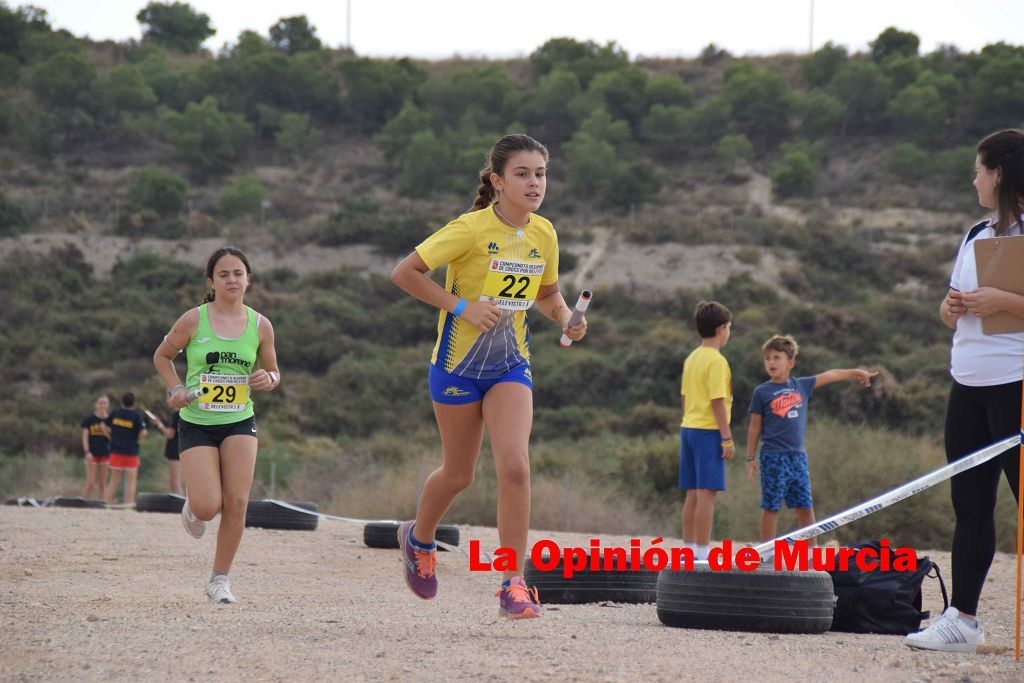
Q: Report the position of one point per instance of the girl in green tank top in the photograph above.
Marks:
(219, 369)
(230, 354)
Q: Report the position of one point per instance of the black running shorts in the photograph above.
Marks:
(191, 435)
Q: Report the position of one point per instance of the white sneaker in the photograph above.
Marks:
(193, 525)
(219, 590)
(948, 633)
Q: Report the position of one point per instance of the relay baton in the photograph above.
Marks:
(194, 394)
(577, 315)
(152, 417)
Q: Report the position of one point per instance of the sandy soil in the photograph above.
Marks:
(117, 595)
(608, 261)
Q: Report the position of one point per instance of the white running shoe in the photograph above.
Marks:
(948, 633)
(193, 525)
(219, 590)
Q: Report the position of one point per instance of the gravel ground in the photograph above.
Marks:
(117, 595)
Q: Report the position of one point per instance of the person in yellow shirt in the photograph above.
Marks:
(705, 437)
(501, 258)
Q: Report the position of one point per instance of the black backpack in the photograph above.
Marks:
(878, 601)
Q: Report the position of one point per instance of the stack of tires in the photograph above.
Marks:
(385, 535)
(761, 600)
(263, 514)
(626, 584)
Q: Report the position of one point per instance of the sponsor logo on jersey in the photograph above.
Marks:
(492, 248)
(534, 253)
(455, 391)
(202, 340)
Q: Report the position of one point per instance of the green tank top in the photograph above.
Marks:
(220, 368)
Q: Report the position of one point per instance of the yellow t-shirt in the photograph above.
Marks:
(488, 260)
(706, 376)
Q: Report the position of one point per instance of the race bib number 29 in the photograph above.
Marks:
(223, 393)
(512, 284)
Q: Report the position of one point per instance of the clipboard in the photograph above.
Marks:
(1000, 263)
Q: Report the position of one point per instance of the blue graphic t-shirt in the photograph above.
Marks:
(783, 409)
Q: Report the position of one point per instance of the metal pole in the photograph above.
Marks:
(811, 43)
(348, 23)
(565, 500)
(273, 480)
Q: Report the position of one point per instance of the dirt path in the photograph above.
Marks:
(117, 595)
(608, 261)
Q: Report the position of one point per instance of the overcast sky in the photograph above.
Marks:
(442, 28)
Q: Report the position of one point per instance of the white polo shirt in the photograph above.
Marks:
(979, 359)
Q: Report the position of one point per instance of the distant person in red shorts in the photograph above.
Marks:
(127, 428)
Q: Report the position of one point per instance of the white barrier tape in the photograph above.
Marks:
(28, 501)
(766, 550)
(357, 520)
(51, 502)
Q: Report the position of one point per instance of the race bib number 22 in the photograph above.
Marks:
(512, 284)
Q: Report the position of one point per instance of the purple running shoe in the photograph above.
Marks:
(517, 601)
(420, 565)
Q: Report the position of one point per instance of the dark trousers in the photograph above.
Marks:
(977, 417)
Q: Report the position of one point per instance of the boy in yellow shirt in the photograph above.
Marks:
(705, 438)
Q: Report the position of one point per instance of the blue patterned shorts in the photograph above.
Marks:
(785, 476)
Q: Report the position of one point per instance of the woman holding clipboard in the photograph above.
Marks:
(985, 398)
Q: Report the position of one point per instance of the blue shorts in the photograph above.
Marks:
(785, 476)
(455, 390)
(700, 459)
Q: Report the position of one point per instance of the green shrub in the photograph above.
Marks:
(159, 190)
(12, 218)
(245, 197)
(296, 137)
(954, 167)
(6, 114)
(361, 221)
(796, 173)
(206, 138)
(424, 165)
(668, 127)
(175, 25)
(909, 161)
(733, 150)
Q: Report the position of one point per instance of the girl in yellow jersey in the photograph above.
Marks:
(224, 340)
(501, 259)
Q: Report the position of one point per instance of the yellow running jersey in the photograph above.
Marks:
(488, 260)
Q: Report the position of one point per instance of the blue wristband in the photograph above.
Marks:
(459, 308)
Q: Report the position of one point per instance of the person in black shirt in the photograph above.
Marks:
(127, 428)
(96, 446)
(175, 474)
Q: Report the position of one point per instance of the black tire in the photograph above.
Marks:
(586, 586)
(159, 502)
(764, 600)
(79, 502)
(266, 514)
(385, 535)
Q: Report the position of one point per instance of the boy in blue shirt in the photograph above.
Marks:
(778, 419)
